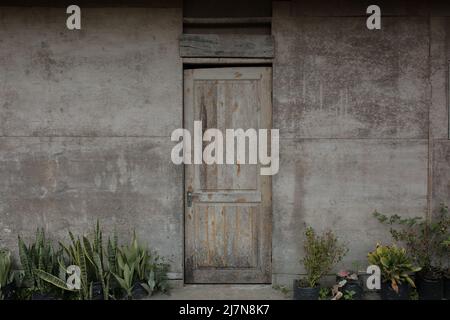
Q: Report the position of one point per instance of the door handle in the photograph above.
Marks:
(189, 199)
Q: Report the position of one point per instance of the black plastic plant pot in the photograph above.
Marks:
(8, 292)
(354, 286)
(430, 289)
(138, 291)
(305, 293)
(97, 291)
(447, 287)
(388, 293)
(42, 296)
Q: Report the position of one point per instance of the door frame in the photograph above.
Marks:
(201, 63)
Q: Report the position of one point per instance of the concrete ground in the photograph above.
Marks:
(223, 292)
(233, 292)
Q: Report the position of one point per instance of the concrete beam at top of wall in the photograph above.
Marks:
(120, 75)
(355, 8)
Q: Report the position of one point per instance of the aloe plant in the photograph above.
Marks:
(394, 263)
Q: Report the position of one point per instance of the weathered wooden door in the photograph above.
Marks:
(228, 229)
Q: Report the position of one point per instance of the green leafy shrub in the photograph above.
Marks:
(395, 265)
(425, 240)
(322, 252)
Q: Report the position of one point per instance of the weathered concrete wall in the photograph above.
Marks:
(85, 123)
(352, 106)
(86, 116)
(439, 113)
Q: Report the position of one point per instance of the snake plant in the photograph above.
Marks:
(125, 275)
(39, 255)
(6, 274)
(143, 266)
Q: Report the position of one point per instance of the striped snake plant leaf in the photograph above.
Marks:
(24, 258)
(88, 250)
(57, 282)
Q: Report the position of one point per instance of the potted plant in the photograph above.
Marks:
(396, 268)
(322, 252)
(130, 272)
(140, 271)
(95, 267)
(350, 283)
(446, 245)
(423, 239)
(6, 275)
(39, 255)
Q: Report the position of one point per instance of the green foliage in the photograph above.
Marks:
(324, 293)
(75, 255)
(322, 252)
(57, 282)
(283, 289)
(94, 266)
(125, 275)
(349, 294)
(425, 240)
(45, 270)
(157, 279)
(38, 255)
(394, 263)
(97, 264)
(6, 274)
(148, 269)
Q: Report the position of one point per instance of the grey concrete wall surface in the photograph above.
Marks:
(85, 124)
(86, 117)
(358, 111)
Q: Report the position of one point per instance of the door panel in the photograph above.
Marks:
(228, 224)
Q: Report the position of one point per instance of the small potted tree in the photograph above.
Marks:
(396, 268)
(446, 244)
(322, 252)
(424, 240)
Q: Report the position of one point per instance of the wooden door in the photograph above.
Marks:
(228, 226)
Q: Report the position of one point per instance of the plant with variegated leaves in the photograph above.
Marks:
(395, 265)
